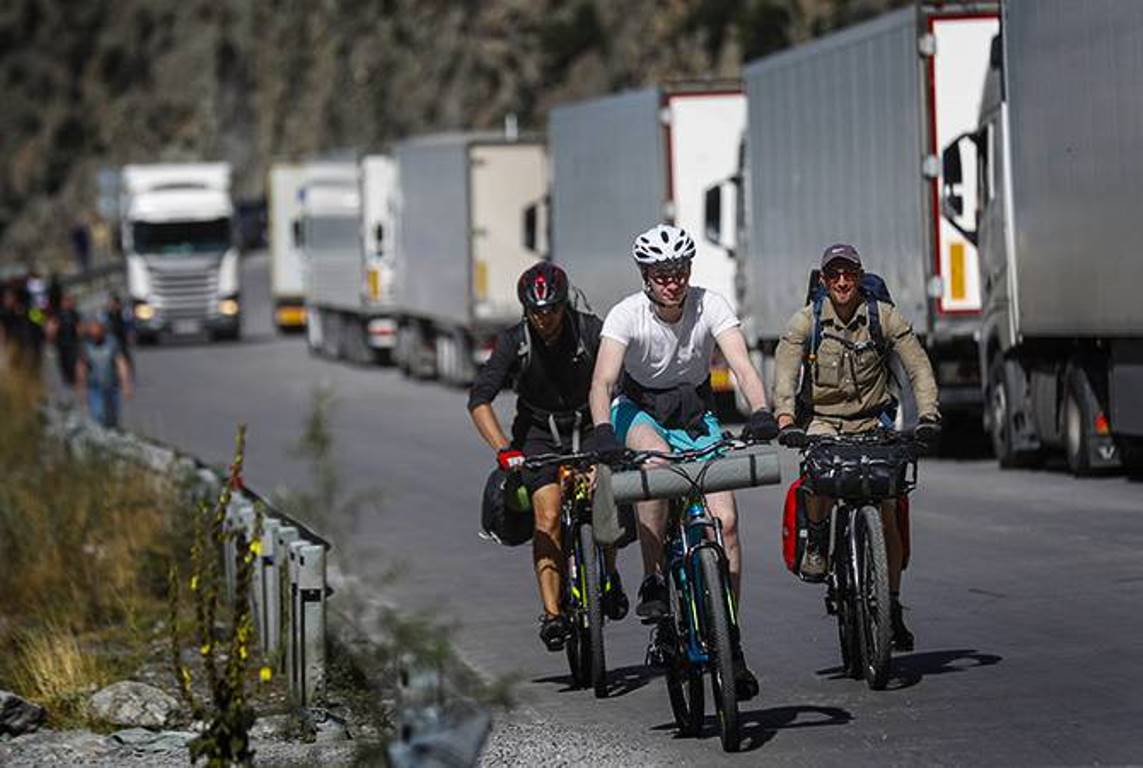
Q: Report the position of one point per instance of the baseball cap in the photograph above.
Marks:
(841, 251)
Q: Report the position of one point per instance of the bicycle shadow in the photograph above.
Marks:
(620, 681)
(908, 670)
(761, 725)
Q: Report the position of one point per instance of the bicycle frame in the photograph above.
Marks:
(575, 487)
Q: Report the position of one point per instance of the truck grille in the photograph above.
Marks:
(185, 290)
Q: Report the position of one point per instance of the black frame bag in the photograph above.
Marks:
(870, 472)
(506, 514)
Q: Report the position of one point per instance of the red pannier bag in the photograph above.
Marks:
(795, 526)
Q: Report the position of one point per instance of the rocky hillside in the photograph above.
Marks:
(95, 83)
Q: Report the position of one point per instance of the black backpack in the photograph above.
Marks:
(873, 289)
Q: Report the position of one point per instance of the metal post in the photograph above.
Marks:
(307, 562)
(268, 578)
(282, 648)
(293, 643)
(246, 519)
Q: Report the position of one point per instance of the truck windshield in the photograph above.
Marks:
(179, 237)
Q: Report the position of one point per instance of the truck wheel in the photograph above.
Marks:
(999, 404)
(1077, 443)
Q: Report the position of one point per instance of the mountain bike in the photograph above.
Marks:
(859, 472)
(699, 634)
(585, 569)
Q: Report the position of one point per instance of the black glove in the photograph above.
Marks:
(793, 437)
(760, 426)
(928, 431)
(603, 441)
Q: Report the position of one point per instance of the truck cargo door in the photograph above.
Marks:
(704, 134)
(506, 179)
(955, 78)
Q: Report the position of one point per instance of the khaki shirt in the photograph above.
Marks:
(851, 383)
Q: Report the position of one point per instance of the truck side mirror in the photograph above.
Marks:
(952, 176)
(299, 239)
(531, 227)
(996, 53)
(379, 233)
(712, 214)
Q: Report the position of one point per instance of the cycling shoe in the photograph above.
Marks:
(554, 631)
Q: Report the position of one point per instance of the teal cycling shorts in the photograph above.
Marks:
(625, 414)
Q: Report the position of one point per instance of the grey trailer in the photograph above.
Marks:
(465, 200)
(843, 145)
(1060, 152)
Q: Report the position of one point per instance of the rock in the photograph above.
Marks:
(135, 704)
(330, 728)
(18, 715)
(270, 727)
(142, 740)
(56, 747)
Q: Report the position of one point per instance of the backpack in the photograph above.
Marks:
(874, 290)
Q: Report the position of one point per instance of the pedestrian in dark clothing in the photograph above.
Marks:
(121, 325)
(67, 338)
(28, 335)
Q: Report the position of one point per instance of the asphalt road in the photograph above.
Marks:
(1025, 589)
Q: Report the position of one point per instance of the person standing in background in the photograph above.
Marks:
(65, 334)
(102, 374)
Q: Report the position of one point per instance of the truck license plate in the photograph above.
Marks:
(187, 327)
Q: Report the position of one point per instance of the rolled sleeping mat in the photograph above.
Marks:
(746, 468)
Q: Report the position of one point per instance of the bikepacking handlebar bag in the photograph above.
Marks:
(857, 471)
(506, 513)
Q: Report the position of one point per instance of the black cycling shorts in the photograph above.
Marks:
(536, 440)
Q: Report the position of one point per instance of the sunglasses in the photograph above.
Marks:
(545, 312)
(836, 273)
(665, 277)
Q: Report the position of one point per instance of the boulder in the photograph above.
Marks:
(142, 740)
(133, 704)
(18, 715)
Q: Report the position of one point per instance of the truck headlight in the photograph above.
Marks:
(228, 307)
(144, 311)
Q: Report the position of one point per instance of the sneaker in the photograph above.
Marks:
(902, 638)
(813, 567)
(661, 647)
(745, 683)
(615, 604)
(652, 598)
(554, 631)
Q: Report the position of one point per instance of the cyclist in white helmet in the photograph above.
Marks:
(654, 358)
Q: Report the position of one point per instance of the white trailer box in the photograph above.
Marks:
(623, 163)
(287, 278)
(842, 146)
(350, 280)
(464, 202)
(182, 265)
(1060, 144)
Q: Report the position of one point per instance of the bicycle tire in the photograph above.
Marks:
(721, 646)
(846, 608)
(684, 679)
(574, 647)
(873, 600)
(593, 613)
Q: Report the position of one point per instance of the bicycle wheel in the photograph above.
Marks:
(592, 582)
(684, 679)
(576, 647)
(846, 607)
(716, 597)
(873, 599)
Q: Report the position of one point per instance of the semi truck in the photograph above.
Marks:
(347, 226)
(1048, 186)
(466, 200)
(287, 285)
(625, 162)
(178, 244)
(843, 145)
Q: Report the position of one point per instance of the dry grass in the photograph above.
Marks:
(85, 545)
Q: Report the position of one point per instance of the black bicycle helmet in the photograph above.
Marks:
(542, 285)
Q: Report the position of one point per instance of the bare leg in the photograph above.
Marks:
(546, 553)
(652, 515)
(893, 546)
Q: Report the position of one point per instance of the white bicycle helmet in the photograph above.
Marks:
(662, 244)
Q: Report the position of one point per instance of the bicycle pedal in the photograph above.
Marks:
(830, 605)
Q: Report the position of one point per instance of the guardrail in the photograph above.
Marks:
(288, 592)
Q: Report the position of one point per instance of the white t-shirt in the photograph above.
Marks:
(663, 355)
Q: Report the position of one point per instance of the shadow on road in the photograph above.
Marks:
(761, 725)
(620, 682)
(907, 671)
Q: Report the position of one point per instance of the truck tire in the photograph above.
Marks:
(999, 399)
(1077, 442)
